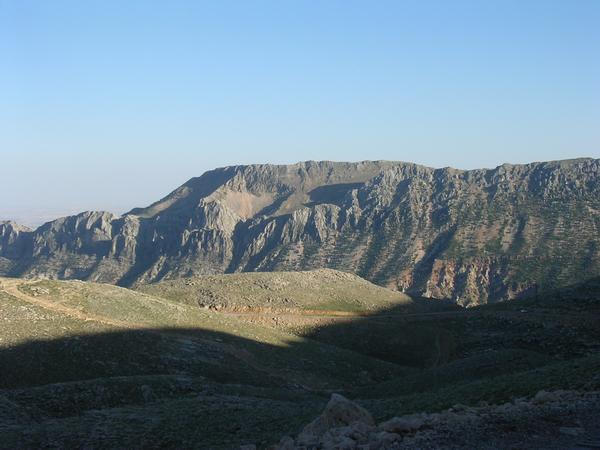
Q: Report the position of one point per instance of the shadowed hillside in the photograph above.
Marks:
(83, 364)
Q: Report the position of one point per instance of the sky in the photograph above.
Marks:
(112, 104)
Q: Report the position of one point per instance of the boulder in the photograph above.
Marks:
(544, 397)
(339, 412)
(286, 443)
(402, 424)
(384, 440)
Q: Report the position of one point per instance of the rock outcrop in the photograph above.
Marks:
(521, 423)
(339, 413)
(474, 236)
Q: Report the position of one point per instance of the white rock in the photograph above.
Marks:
(339, 412)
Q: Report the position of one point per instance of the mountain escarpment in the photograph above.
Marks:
(474, 236)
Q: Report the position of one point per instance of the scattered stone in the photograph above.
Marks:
(37, 291)
(544, 397)
(286, 443)
(483, 426)
(385, 439)
(339, 412)
(402, 424)
(306, 440)
(147, 393)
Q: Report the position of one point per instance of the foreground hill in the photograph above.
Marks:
(220, 345)
(93, 365)
(83, 363)
(474, 236)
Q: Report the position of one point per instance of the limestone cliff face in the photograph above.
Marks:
(15, 245)
(475, 236)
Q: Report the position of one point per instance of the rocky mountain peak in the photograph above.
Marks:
(471, 235)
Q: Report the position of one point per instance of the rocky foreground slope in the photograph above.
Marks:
(474, 236)
(91, 365)
(549, 420)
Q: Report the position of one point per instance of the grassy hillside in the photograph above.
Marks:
(163, 334)
(76, 355)
(89, 365)
(323, 289)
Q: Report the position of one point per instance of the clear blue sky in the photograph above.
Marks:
(112, 104)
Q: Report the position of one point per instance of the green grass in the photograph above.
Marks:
(183, 376)
(320, 289)
(194, 340)
(581, 373)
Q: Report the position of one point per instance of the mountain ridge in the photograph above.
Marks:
(475, 236)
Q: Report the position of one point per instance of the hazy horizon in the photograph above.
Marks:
(112, 106)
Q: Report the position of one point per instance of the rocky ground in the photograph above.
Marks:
(549, 420)
(321, 289)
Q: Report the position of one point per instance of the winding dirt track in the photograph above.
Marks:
(11, 287)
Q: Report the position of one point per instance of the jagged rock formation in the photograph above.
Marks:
(474, 236)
